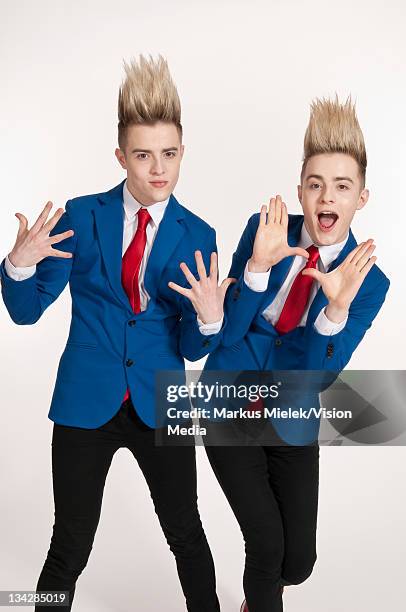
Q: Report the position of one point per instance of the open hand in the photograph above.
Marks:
(205, 294)
(271, 240)
(33, 245)
(341, 285)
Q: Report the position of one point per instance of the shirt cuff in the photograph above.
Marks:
(209, 328)
(256, 281)
(326, 327)
(18, 274)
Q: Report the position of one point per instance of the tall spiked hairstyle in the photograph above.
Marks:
(333, 128)
(147, 95)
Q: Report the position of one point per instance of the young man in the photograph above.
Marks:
(305, 296)
(118, 250)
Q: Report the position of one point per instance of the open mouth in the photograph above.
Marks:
(327, 220)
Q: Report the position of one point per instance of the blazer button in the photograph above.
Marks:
(206, 342)
(131, 323)
(278, 342)
(129, 362)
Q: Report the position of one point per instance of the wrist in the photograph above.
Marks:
(336, 313)
(256, 266)
(13, 259)
(214, 317)
(18, 261)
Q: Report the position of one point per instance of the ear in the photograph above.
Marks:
(299, 194)
(182, 150)
(363, 198)
(121, 158)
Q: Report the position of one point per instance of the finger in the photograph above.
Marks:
(226, 283)
(42, 218)
(271, 211)
(23, 221)
(278, 209)
(262, 215)
(368, 265)
(299, 251)
(285, 216)
(201, 268)
(179, 289)
(49, 225)
(60, 237)
(56, 253)
(358, 248)
(362, 252)
(360, 263)
(316, 274)
(213, 266)
(189, 276)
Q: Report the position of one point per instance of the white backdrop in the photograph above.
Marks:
(246, 73)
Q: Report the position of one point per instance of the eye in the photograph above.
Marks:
(141, 155)
(315, 186)
(343, 187)
(170, 154)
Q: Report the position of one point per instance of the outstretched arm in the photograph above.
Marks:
(27, 299)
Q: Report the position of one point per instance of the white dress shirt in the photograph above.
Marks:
(131, 208)
(258, 281)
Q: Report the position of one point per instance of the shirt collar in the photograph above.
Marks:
(132, 206)
(328, 253)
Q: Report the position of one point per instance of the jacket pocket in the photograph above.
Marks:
(83, 345)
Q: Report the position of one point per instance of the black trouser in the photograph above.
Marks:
(80, 461)
(273, 492)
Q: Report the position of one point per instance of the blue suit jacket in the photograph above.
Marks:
(250, 342)
(105, 335)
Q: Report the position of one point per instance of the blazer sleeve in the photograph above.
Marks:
(334, 352)
(26, 300)
(193, 345)
(241, 303)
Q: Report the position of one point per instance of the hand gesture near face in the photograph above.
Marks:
(341, 285)
(271, 240)
(205, 294)
(33, 245)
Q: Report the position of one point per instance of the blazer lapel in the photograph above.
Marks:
(169, 234)
(320, 300)
(109, 217)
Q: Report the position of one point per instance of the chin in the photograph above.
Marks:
(159, 195)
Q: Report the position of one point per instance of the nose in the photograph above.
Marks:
(157, 167)
(327, 195)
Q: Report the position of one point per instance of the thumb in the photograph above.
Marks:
(226, 283)
(299, 251)
(316, 274)
(23, 223)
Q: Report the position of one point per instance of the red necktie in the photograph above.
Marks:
(298, 296)
(131, 263)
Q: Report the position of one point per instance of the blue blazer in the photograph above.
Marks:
(250, 342)
(110, 348)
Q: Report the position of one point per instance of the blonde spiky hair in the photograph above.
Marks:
(147, 95)
(333, 128)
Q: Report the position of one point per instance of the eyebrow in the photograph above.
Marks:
(337, 178)
(149, 151)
